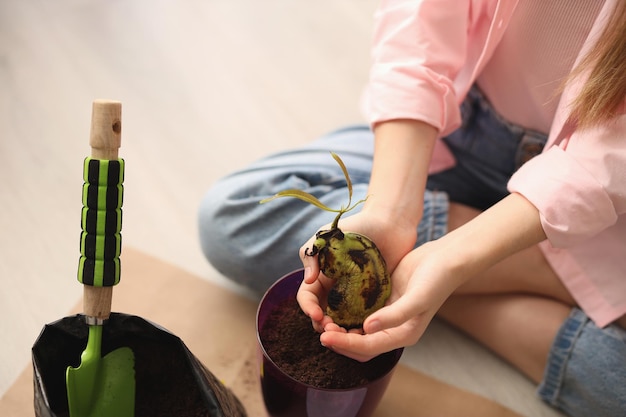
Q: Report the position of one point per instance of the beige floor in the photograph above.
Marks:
(206, 86)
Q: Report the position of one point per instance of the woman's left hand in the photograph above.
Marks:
(418, 290)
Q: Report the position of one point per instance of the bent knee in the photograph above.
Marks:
(240, 245)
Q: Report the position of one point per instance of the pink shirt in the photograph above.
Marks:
(546, 37)
(426, 56)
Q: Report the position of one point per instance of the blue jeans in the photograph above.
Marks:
(488, 150)
(586, 370)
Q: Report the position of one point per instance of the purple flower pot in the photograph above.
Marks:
(284, 396)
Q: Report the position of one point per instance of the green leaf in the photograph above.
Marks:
(345, 174)
(299, 194)
(304, 196)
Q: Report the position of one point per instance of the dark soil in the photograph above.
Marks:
(293, 344)
(165, 385)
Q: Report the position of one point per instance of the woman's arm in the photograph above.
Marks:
(393, 208)
(402, 152)
(429, 274)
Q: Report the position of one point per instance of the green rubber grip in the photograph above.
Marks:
(101, 222)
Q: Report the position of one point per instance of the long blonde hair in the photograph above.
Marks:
(604, 91)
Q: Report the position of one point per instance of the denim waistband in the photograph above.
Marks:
(530, 143)
(488, 150)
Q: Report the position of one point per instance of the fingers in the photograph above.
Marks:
(390, 316)
(391, 327)
(361, 347)
(311, 291)
(312, 300)
(310, 263)
(308, 297)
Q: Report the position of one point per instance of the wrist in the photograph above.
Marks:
(511, 225)
(400, 214)
(402, 152)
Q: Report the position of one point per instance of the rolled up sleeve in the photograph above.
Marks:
(579, 187)
(419, 47)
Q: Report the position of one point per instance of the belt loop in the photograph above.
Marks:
(530, 145)
(473, 101)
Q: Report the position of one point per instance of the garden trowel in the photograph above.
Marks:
(101, 386)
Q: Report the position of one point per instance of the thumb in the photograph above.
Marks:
(310, 264)
(393, 315)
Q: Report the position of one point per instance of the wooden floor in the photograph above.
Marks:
(207, 86)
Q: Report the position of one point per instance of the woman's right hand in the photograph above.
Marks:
(402, 151)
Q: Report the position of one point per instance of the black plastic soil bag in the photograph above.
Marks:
(170, 380)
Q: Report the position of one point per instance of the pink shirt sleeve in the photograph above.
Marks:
(419, 48)
(579, 186)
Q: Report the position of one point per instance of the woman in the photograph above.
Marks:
(472, 134)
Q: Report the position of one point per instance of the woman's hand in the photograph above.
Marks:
(392, 239)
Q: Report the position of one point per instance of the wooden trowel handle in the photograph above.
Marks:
(105, 140)
(97, 301)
